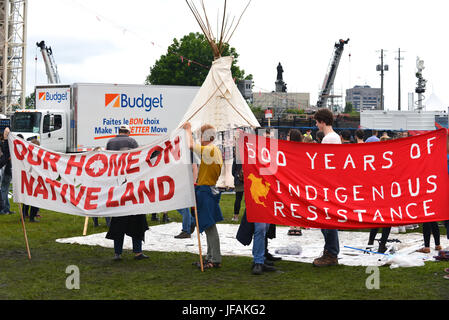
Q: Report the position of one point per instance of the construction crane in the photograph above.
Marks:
(332, 71)
(50, 64)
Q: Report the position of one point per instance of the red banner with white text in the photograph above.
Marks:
(346, 186)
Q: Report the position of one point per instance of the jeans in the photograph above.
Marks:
(260, 229)
(108, 221)
(331, 243)
(186, 219)
(4, 190)
(118, 245)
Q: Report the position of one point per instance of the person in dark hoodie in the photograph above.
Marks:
(5, 161)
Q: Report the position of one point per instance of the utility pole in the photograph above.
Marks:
(381, 67)
(399, 78)
(421, 86)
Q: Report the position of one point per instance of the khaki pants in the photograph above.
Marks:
(213, 244)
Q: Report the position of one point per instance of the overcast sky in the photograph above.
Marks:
(116, 41)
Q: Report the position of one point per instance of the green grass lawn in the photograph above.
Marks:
(171, 276)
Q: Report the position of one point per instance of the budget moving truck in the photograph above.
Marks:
(82, 116)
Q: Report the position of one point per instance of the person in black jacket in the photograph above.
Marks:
(5, 161)
(135, 225)
(237, 172)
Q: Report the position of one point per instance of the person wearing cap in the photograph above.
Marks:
(135, 225)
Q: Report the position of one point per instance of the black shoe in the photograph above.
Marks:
(257, 269)
(266, 267)
(269, 263)
(117, 257)
(192, 228)
(141, 257)
(270, 257)
(182, 235)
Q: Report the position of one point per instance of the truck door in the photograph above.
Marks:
(54, 132)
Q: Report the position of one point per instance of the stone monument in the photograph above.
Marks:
(281, 86)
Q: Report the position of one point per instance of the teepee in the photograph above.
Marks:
(219, 101)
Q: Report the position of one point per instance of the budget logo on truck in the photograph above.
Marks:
(117, 100)
(56, 96)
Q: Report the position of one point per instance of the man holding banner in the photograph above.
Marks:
(324, 121)
(207, 196)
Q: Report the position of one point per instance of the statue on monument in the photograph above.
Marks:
(280, 71)
(281, 86)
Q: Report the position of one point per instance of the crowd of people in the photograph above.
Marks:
(208, 210)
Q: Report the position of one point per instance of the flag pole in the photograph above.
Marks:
(25, 231)
(199, 241)
(86, 221)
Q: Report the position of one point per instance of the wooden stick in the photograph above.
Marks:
(86, 222)
(25, 231)
(199, 242)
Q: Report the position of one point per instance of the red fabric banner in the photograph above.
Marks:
(346, 186)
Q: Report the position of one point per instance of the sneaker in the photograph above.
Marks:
(410, 227)
(394, 230)
(402, 229)
(369, 247)
(117, 257)
(235, 218)
(270, 257)
(259, 268)
(182, 235)
(327, 259)
(141, 257)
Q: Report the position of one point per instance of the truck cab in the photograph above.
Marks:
(44, 125)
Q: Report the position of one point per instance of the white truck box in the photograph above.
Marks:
(398, 120)
(82, 116)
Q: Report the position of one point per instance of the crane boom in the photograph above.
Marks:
(332, 71)
(50, 64)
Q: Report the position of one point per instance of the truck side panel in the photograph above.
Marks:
(150, 111)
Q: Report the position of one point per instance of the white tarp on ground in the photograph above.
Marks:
(161, 238)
